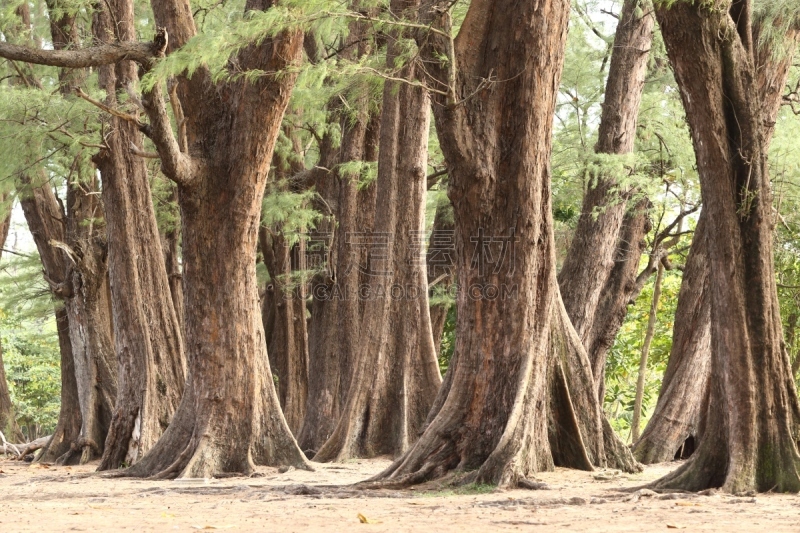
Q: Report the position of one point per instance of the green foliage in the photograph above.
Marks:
(622, 366)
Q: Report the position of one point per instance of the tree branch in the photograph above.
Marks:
(176, 165)
(95, 56)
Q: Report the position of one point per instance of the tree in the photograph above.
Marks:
(749, 438)
(596, 280)
(334, 331)
(147, 334)
(509, 381)
(395, 373)
(72, 247)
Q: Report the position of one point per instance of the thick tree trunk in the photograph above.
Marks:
(288, 339)
(674, 428)
(589, 276)
(750, 434)
(147, 333)
(518, 396)
(230, 416)
(395, 376)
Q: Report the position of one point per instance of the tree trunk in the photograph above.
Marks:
(518, 396)
(147, 333)
(648, 339)
(230, 416)
(750, 433)
(336, 309)
(590, 260)
(674, 429)
(441, 265)
(395, 376)
(288, 341)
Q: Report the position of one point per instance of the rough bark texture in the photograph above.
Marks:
(230, 416)
(676, 417)
(72, 247)
(750, 433)
(517, 398)
(288, 339)
(336, 310)
(395, 376)
(586, 277)
(147, 333)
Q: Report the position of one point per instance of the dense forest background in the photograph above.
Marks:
(49, 136)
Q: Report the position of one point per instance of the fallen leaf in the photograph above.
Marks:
(675, 526)
(687, 504)
(363, 519)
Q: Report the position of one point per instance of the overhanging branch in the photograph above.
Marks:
(94, 56)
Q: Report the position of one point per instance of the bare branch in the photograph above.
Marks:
(109, 110)
(176, 165)
(135, 150)
(95, 56)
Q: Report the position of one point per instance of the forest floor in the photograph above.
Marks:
(37, 498)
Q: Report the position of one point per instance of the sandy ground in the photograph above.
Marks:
(34, 498)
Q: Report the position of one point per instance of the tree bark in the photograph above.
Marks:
(750, 432)
(395, 376)
(147, 334)
(590, 259)
(229, 417)
(441, 266)
(288, 339)
(72, 247)
(674, 428)
(518, 396)
(334, 332)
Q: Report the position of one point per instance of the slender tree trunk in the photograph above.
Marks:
(648, 339)
(441, 265)
(590, 261)
(750, 433)
(147, 334)
(674, 428)
(396, 376)
(509, 380)
(170, 242)
(230, 416)
(288, 339)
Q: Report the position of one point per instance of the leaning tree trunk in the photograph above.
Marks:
(147, 334)
(229, 417)
(395, 376)
(518, 396)
(674, 429)
(750, 432)
(586, 277)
